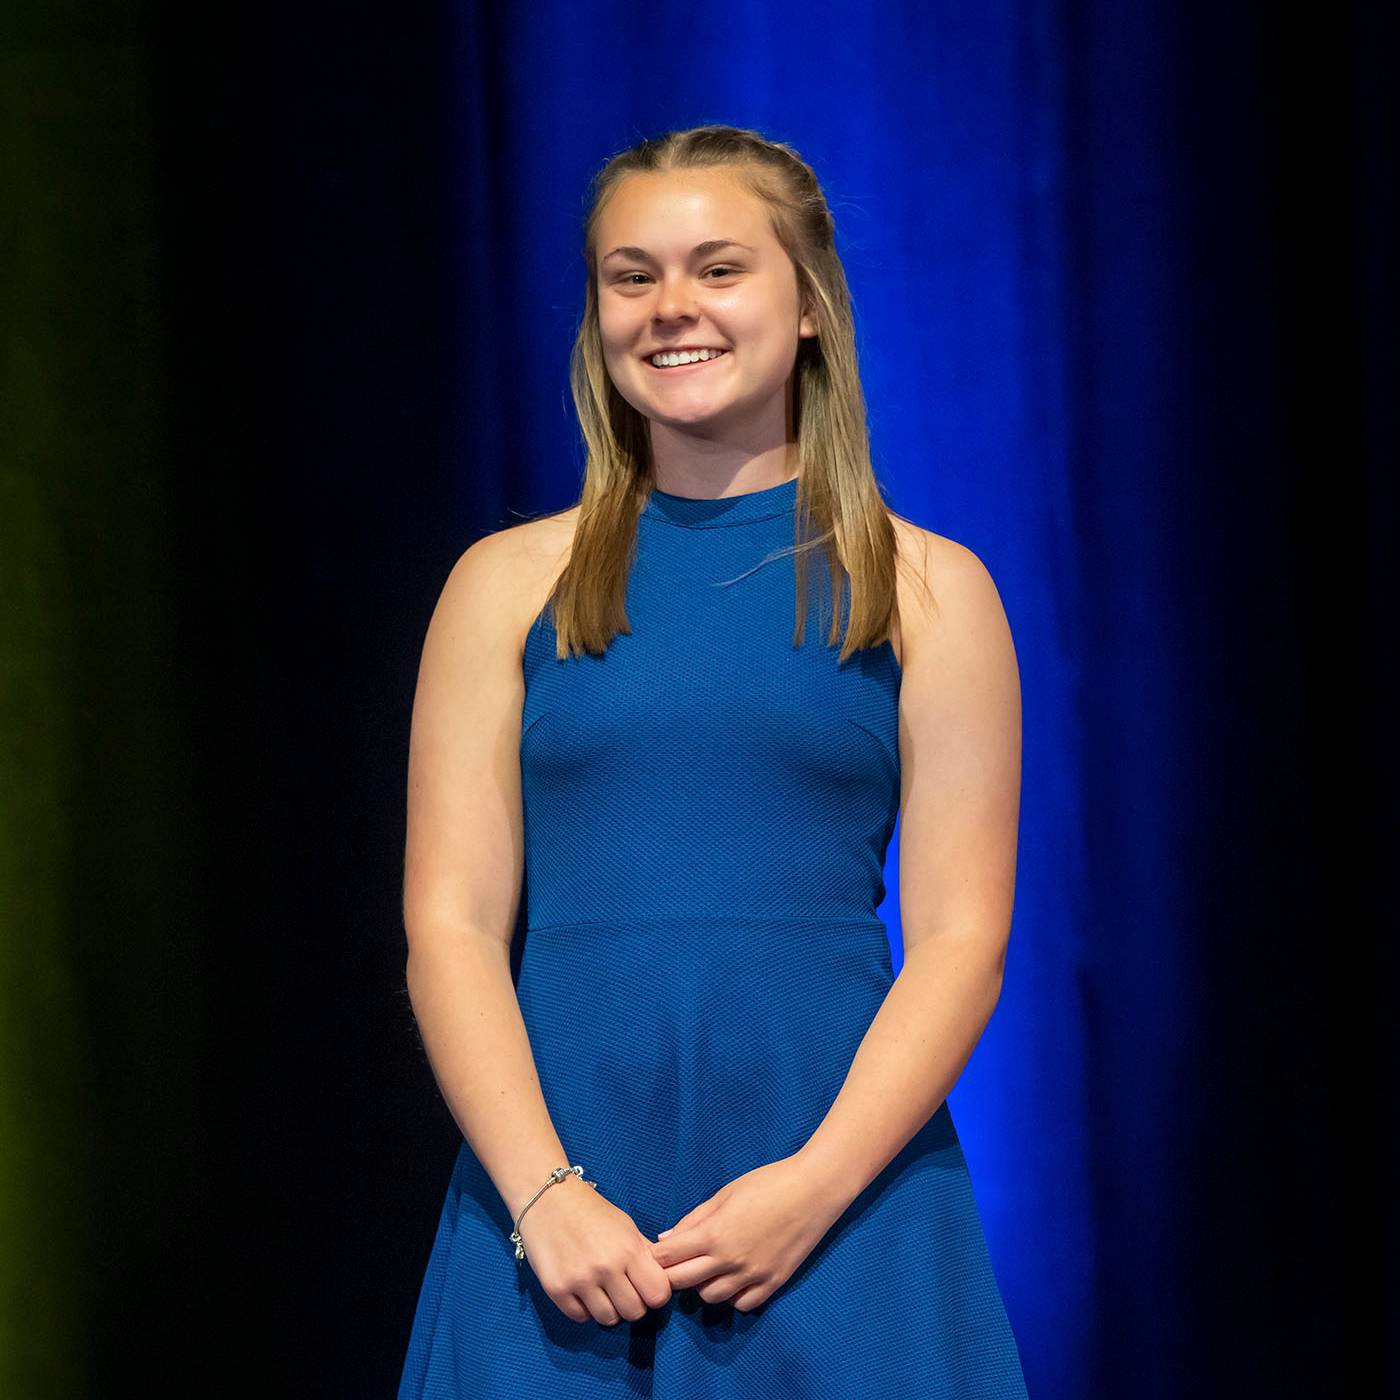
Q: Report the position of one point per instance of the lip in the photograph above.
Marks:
(679, 369)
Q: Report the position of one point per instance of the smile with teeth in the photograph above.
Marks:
(677, 358)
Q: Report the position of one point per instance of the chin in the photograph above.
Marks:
(683, 418)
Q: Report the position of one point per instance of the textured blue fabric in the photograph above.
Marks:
(707, 810)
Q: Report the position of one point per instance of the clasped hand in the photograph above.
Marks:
(748, 1239)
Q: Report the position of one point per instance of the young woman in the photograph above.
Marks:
(707, 1150)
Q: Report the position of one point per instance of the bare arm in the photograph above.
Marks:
(463, 864)
(960, 750)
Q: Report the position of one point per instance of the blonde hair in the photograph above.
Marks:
(836, 484)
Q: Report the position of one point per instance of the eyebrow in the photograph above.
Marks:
(701, 250)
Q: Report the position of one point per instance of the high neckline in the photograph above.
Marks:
(702, 512)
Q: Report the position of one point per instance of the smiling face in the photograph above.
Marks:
(699, 268)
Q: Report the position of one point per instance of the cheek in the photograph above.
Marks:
(771, 357)
(617, 352)
(762, 329)
(613, 321)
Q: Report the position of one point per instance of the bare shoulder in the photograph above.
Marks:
(499, 584)
(948, 600)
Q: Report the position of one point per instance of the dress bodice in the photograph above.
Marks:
(703, 764)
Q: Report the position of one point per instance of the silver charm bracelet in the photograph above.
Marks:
(555, 1177)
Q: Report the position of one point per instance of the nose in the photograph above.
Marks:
(674, 299)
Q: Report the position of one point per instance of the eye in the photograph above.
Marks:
(627, 279)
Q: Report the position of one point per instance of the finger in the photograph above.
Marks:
(599, 1305)
(692, 1217)
(690, 1272)
(651, 1283)
(684, 1245)
(626, 1301)
(718, 1290)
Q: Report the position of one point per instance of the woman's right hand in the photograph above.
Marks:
(590, 1257)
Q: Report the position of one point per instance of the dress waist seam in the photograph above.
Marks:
(795, 920)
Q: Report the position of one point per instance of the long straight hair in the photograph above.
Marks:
(839, 506)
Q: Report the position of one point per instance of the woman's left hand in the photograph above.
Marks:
(747, 1240)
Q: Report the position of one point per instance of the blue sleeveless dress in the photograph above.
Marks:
(706, 814)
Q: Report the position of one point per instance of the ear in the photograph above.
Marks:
(807, 326)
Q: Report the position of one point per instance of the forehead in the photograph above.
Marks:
(674, 210)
